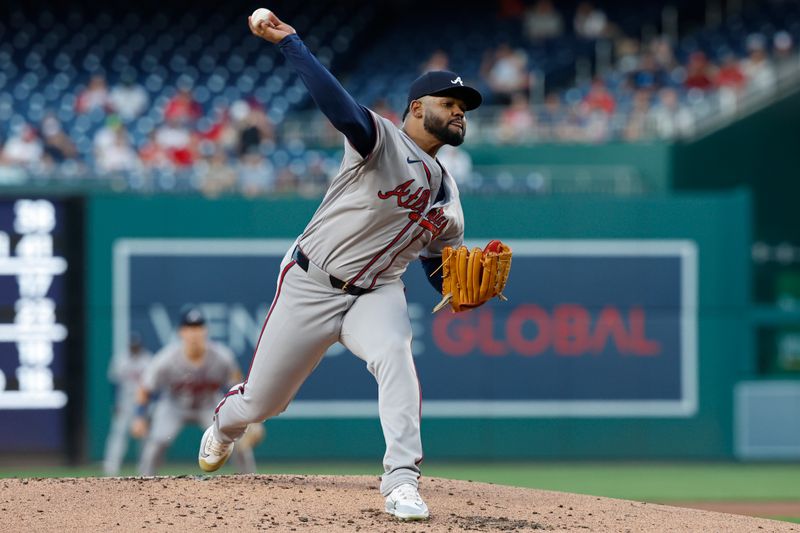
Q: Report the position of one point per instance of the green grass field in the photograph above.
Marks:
(647, 481)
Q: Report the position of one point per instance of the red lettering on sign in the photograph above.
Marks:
(489, 345)
(458, 340)
(572, 323)
(609, 326)
(568, 331)
(638, 344)
(516, 321)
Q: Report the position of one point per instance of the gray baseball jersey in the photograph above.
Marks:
(379, 213)
(186, 384)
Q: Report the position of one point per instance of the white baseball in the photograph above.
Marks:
(260, 14)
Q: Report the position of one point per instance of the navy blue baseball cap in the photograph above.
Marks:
(443, 83)
(192, 316)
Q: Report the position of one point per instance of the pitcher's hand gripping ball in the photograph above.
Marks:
(260, 15)
(471, 278)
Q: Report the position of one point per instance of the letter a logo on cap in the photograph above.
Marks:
(458, 81)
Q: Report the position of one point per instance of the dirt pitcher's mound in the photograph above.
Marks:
(329, 503)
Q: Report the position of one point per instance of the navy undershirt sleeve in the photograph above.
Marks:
(346, 115)
(430, 264)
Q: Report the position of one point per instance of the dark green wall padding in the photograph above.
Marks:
(719, 224)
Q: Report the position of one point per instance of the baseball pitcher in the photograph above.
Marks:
(391, 203)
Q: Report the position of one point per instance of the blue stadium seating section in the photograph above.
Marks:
(49, 50)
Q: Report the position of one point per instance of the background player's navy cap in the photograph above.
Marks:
(443, 83)
(192, 317)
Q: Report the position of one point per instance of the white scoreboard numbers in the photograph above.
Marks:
(31, 271)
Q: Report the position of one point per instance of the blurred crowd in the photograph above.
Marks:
(644, 91)
(231, 149)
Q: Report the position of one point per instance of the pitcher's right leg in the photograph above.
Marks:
(302, 323)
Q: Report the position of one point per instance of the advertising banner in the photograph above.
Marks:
(591, 328)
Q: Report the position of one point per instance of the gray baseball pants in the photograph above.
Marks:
(305, 319)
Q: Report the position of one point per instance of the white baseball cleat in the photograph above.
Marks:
(213, 453)
(405, 503)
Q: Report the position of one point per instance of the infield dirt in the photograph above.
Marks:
(330, 503)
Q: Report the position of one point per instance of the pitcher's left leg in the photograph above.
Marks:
(377, 329)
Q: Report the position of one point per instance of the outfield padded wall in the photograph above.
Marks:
(717, 224)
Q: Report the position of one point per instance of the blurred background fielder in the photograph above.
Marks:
(125, 371)
(189, 375)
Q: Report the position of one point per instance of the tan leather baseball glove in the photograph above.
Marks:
(471, 278)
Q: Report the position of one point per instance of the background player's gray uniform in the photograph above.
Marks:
(378, 215)
(125, 371)
(188, 393)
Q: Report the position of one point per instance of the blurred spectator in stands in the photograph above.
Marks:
(699, 72)
(543, 21)
(223, 130)
(256, 175)
(517, 122)
(315, 180)
(117, 155)
(757, 67)
(182, 108)
(730, 82)
(599, 98)
(94, 96)
(177, 141)
(648, 74)
(551, 117)
(23, 148)
(58, 147)
(153, 155)
(504, 69)
(216, 174)
(382, 108)
(128, 99)
(573, 127)
(458, 163)
(106, 136)
(286, 180)
(636, 127)
(255, 129)
(590, 22)
(627, 54)
(784, 55)
(663, 54)
(668, 117)
(730, 79)
(597, 126)
(730, 75)
(439, 60)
